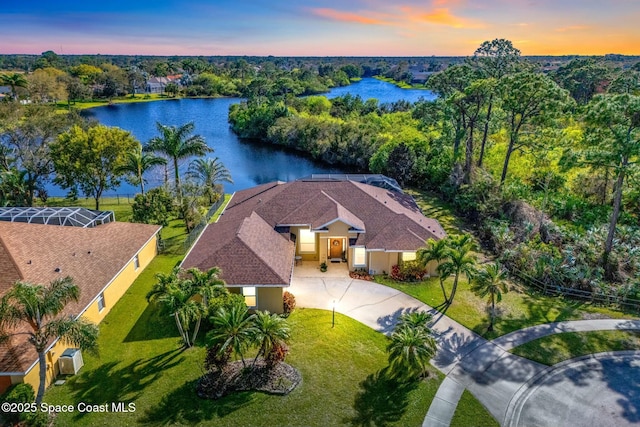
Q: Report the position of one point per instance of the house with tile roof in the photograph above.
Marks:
(101, 255)
(266, 230)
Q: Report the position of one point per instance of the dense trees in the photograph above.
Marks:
(613, 140)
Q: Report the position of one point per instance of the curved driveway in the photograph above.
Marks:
(485, 368)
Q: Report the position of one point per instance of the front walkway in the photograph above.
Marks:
(485, 368)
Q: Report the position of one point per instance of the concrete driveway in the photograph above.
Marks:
(517, 391)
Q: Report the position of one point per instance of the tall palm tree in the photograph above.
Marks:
(36, 311)
(232, 328)
(208, 173)
(177, 142)
(207, 284)
(436, 250)
(176, 298)
(137, 163)
(460, 261)
(14, 81)
(269, 331)
(410, 350)
(491, 281)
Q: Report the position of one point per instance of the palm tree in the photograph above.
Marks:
(176, 298)
(137, 163)
(176, 142)
(415, 319)
(460, 260)
(206, 284)
(436, 250)
(209, 172)
(490, 281)
(36, 311)
(232, 328)
(410, 350)
(14, 80)
(269, 331)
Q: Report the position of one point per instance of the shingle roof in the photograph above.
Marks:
(91, 256)
(246, 246)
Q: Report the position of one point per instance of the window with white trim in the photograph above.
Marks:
(101, 303)
(250, 297)
(307, 241)
(136, 262)
(408, 256)
(359, 257)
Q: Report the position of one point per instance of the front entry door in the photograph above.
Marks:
(335, 248)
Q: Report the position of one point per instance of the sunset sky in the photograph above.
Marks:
(318, 27)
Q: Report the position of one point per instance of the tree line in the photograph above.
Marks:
(543, 161)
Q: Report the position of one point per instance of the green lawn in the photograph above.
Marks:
(82, 105)
(217, 213)
(556, 348)
(517, 310)
(140, 361)
(121, 206)
(471, 413)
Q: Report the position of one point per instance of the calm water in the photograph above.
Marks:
(382, 91)
(250, 163)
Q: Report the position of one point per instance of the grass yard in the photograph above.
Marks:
(343, 378)
(140, 361)
(517, 309)
(82, 105)
(121, 206)
(559, 347)
(471, 413)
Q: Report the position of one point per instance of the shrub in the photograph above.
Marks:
(288, 303)
(18, 393)
(396, 273)
(277, 354)
(216, 357)
(154, 207)
(413, 271)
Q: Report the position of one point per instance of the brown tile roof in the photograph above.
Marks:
(244, 244)
(91, 256)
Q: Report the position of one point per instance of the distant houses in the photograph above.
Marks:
(158, 84)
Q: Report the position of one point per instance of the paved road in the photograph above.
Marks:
(485, 368)
(603, 390)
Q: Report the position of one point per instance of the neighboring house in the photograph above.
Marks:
(322, 218)
(39, 245)
(158, 84)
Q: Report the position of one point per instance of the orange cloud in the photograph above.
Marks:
(442, 16)
(337, 15)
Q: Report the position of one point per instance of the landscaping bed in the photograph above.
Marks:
(280, 379)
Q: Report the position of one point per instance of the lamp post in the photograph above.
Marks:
(333, 314)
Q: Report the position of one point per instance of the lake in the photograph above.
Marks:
(250, 163)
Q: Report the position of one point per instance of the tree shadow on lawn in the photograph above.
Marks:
(152, 325)
(538, 310)
(107, 384)
(382, 400)
(183, 406)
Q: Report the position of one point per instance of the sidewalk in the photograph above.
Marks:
(485, 368)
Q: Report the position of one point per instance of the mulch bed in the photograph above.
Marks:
(280, 379)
